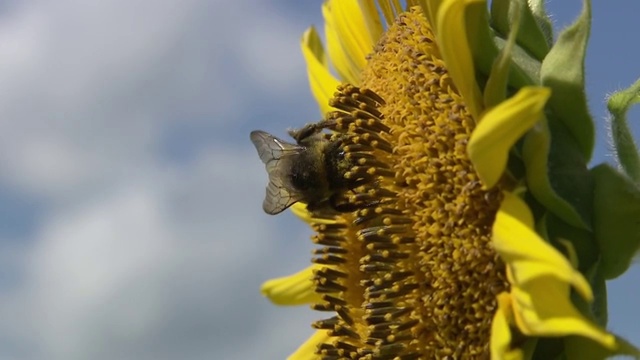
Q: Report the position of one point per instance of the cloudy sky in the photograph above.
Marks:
(130, 196)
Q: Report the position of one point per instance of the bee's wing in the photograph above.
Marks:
(278, 197)
(271, 150)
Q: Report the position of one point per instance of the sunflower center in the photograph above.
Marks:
(410, 272)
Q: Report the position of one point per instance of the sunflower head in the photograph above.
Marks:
(432, 251)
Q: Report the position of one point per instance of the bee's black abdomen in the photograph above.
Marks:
(306, 175)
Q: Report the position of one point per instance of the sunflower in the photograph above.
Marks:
(480, 231)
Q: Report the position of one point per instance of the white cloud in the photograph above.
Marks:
(156, 270)
(135, 255)
(88, 86)
(89, 258)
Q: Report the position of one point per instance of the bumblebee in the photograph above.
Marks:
(311, 171)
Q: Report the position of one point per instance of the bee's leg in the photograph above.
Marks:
(306, 131)
(335, 147)
(310, 129)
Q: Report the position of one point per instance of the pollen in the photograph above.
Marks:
(409, 272)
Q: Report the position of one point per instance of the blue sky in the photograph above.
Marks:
(130, 196)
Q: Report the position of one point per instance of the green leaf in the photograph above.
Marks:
(580, 245)
(557, 174)
(495, 90)
(485, 46)
(599, 307)
(525, 69)
(548, 348)
(563, 71)
(529, 347)
(500, 16)
(623, 143)
(616, 219)
(483, 49)
(596, 311)
(582, 242)
(577, 347)
(505, 14)
(542, 19)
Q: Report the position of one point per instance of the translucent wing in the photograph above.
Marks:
(272, 151)
(278, 197)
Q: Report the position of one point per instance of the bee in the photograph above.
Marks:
(311, 171)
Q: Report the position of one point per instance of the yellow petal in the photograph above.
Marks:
(526, 254)
(372, 17)
(454, 46)
(300, 210)
(542, 307)
(348, 70)
(348, 38)
(387, 12)
(307, 350)
(296, 289)
(501, 331)
(500, 128)
(322, 83)
(430, 9)
(540, 278)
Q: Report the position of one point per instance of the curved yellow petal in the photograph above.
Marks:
(342, 62)
(348, 38)
(323, 83)
(307, 350)
(296, 289)
(501, 331)
(455, 50)
(540, 278)
(300, 210)
(430, 9)
(526, 254)
(500, 128)
(372, 17)
(390, 9)
(542, 307)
